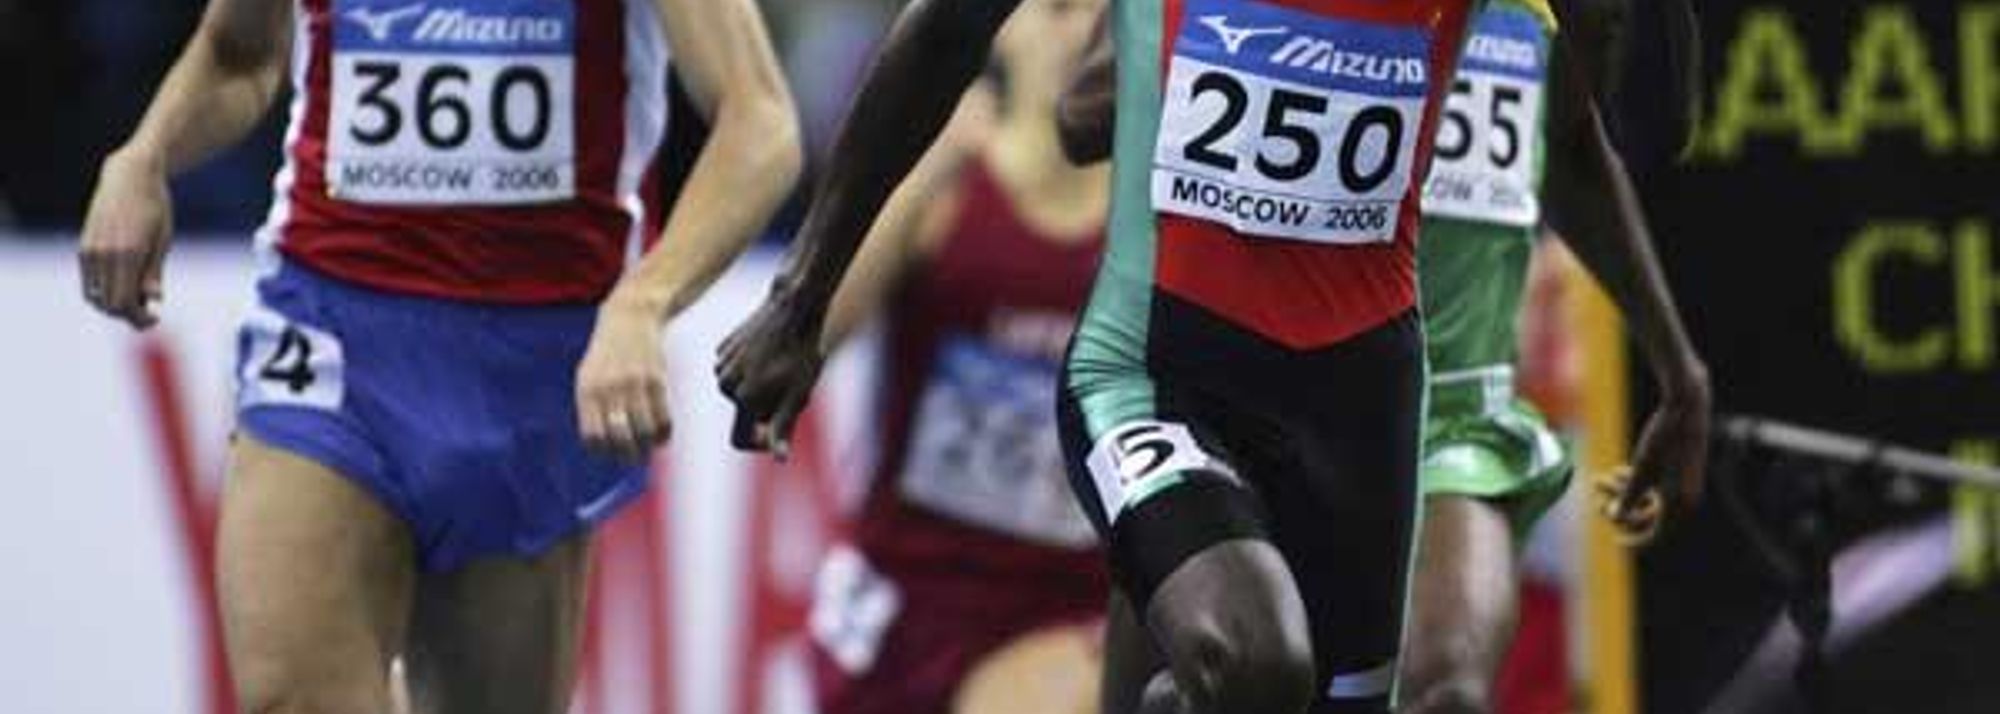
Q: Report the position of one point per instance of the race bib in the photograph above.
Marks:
(984, 448)
(284, 363)
(452, 102)
(853, 607)
(1283, 124)
(1140, 458)
(1485, 164)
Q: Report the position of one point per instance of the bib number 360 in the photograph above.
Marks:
(1272, 128)
(452, 102)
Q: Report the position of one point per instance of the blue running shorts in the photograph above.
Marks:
(459, 417)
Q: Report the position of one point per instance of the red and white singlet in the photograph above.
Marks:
(496, 151)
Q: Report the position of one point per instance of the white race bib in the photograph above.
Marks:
(1485, 164)
(1140, 458)
(288, 364)
(1284, 124)
(853, 607)
(452, 102)
(984, 448)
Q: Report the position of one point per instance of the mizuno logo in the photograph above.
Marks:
(1325, 57)
(1234, 37)
(463, 28)
(381, 25)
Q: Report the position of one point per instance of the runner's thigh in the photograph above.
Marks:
(499, 635)
(314, 576)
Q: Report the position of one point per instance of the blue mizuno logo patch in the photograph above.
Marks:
(1314, 50)
(455, 26)
(1507, 41)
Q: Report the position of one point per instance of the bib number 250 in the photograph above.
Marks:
(1273, 130)
(1281, 127)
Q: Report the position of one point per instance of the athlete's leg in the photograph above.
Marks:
(1130, 661)
(499, 635)
(1187, 546)
(314, 576)
(1233, 630)
(1225, 633)
(1463, 607)
(1215, 596)
(1045, 671)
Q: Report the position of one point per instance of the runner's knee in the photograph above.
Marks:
(1457, 692)
(273, 687)
(1449, 667)
(1447, 673)
(1234, 631)
(1246, 668)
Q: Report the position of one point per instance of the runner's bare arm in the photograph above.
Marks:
(932, 54)
(1085, 117)
(934, 51)
(748, 167)
(222, 84)
(1595, 206)
(911, 223)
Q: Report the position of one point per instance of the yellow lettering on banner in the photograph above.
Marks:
(1978, 291)
(1890, 52)
(1766, 88)
(1979, 74)
(1854, 298)
(1975, 512)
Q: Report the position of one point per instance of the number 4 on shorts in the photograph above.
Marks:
(288, 364)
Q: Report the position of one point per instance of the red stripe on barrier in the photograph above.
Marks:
(655, 559)
(590, 663)
(194, 510)
(629, 592)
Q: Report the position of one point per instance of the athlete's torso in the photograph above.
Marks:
(972, 472)
(1268, 158)
(1481, 206)
(483, 150)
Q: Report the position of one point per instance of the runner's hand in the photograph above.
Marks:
(125, 238)
(1671, 454)
(768, 367)
(621, 386)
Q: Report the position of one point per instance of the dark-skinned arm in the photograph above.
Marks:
(932, 54)
(1593, 203)
(1087, 110)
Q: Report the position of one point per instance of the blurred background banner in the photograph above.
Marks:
(1831, 229)
(1830, 234)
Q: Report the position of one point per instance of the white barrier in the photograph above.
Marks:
(101, 611)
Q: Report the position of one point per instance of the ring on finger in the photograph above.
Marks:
(626, 427)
